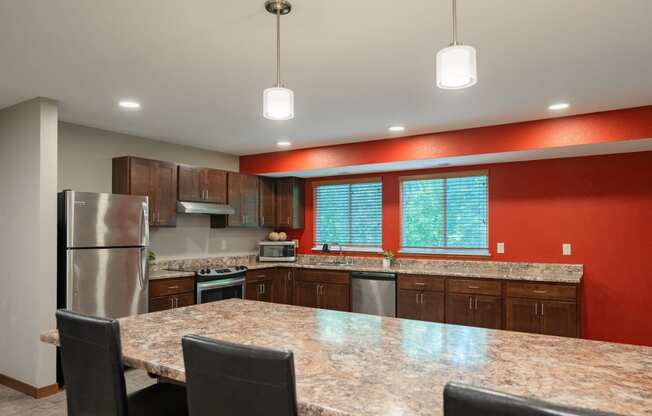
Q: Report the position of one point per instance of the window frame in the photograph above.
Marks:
(348, 247)
(455, 251)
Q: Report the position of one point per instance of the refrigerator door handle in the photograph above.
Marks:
(144, 224)
(142, 272)
(69, 279)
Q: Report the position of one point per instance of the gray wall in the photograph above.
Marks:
(28, 171)
(85, 165)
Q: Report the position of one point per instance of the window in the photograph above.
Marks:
(445, 214)
(349, 213)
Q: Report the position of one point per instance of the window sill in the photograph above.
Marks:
(446, 251)
(351, 249)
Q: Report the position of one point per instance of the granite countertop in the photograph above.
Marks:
(169, 274)
(354, 364)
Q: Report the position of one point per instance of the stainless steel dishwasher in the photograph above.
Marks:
(374, 293)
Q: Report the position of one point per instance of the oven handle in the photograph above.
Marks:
(220, 283)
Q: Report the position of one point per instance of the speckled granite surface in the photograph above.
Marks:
(352, 364)
(539, 272)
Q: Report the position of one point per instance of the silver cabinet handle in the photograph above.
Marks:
(542, 309)
(536, 308)
(422, 302)
(172, 303)
(419, 283)
(263, 287)
(173, 287)
(470, 302)
(474, 287)
(476, 303)
(540, 291)
(207, 194)
(417, 298)
(176, 302)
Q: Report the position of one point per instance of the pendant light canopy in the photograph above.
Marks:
(456, 64)
(278, 101)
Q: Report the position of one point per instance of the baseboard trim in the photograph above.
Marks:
(28, 389)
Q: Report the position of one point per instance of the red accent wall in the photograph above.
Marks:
(608, 126)
(602, 205)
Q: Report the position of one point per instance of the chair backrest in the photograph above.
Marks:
(91, 358)
(231, 379)
(464, 400)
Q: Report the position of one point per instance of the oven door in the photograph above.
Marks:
(215, 290)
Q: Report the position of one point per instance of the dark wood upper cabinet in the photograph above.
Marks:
(290, 202)
(243, 198)
(267, 200)
(152, 178)
(202, 184)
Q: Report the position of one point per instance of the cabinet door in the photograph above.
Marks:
(252, 290)
(432, 306)
(267, 201)
(459, 309)
(191, 184)
(161, 303)
(558, 318)
(336, 297)
(488, 311)
(522, 315)
(283, 203)
(249, 195)
(166, 194)
(283, 285)
(234, 199)
(408, 304)
(185, 299)
(142, 182)
(306, 294)
(214, 185)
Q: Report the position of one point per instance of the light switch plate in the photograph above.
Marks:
(500, 248)
(566, 249)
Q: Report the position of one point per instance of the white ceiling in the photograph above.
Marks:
(357, 66)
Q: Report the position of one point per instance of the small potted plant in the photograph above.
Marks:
(388, 257)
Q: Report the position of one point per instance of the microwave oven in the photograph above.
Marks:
(277, 251)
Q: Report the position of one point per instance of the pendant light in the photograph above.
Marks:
(278, 101)
(456, 64)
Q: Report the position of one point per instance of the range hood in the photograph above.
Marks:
(204, 208)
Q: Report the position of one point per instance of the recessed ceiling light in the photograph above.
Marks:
(558, 106)
(397, 128)
(283, 143)
(129, 105)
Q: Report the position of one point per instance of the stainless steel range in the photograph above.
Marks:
(215, 284)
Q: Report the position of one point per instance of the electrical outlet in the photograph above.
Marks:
(500, 248)
(566, 249)
(223, 244)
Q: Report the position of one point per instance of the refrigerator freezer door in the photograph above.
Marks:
(106, 220)
(108, 282)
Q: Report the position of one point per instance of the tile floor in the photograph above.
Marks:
(13, 403)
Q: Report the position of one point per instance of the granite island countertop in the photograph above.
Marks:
(354, 364)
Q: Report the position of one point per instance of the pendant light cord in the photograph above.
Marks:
(278, 44)
(455, 22)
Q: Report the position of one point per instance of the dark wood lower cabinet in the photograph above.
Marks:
(522, 315)
(335, 297)
(420, 305)
(483, 311)
(306, 294)
(171, 293)
(459, 309)
(548, 317)
(283, 287)
(260, 285)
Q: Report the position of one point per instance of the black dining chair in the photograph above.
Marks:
(465, 400)
(231, 379)
(91, 357)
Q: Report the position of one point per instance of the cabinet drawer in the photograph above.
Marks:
(260, 275)
(420, 282)
(162, 303)
(479, 287)
(541, 290)
(165, 287)
(323, 276)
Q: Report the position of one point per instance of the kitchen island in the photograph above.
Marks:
(353, 364)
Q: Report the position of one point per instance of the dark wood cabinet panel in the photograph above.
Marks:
(559, 318)
(267, 200)
(185, 299)
(243, 198)
(161, 303)
(260, 285)
(533, 290)
(335, 297)
(432, 306)
(407, 304)
(283, 287)
(215, 185)
(190, 184)
(306, 294)
(420, 282)
(290, 202)
(474, 286)
(171, 293)
(522, 315)
(488, 312)
(459, 309)
(152, 178)
(324, 276)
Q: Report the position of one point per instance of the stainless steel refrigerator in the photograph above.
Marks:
(102, 254)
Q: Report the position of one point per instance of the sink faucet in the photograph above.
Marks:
(327, 248)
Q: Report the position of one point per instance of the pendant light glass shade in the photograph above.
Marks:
(456, 67)
(278, 103)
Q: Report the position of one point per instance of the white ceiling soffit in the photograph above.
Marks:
(628, 146)
(199, 67)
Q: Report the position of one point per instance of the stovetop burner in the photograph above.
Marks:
(220, 273)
